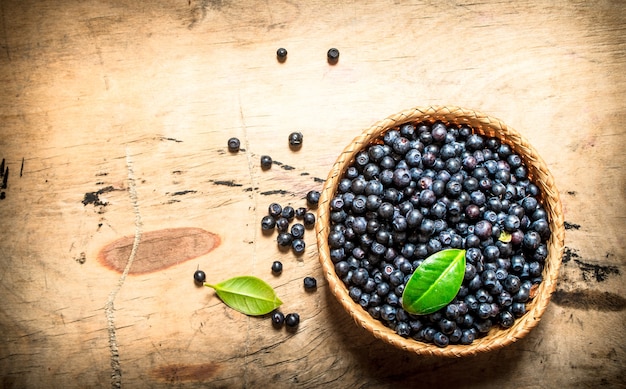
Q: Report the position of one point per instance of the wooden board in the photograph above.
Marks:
(114, 118)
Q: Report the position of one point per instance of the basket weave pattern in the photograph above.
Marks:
(537, 172)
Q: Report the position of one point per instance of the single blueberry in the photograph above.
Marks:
(199, 277)
(277, 267)
(292, 320)
(278, 319)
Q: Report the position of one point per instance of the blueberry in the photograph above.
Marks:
(542, 227)
(199, 277)
(292, 320)
(483, 229)
(309, 219)
(396, 278)
(447, 326)
(332, 55)
(277, 267)
(534, 269)
(518, 309)
(531, 240)
(275, 210)
(297, 230)
(505, 299)
(266, 162)
(295, 140)
(310, 283)
(428, 334)
(376, 153)
(387, 312)
(491, 253)
(470, 271)
(284, 239)
(440, 339)
(298, 246)
(300, 211)
(403, 329)
(278, 319)
(342, 268)
(233, 145)
(401, 178)
(382, 289)
(506, 319)
(288, 212)
(455, 336)
(483, 326)
(467, 337)
(281, 54)
(282, 224)
(413, 158)
(268, 223)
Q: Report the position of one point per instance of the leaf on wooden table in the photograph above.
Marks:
(247, 294)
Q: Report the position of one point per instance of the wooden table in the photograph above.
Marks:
(114, 122)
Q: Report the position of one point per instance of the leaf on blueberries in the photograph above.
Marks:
(435, 282)
(247, 294)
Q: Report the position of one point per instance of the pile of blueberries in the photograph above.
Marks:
(425, 187)
(280, 219)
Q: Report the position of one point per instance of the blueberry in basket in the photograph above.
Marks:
(428, 187)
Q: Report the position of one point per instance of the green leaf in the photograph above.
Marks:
(435, 282)
(248, 295)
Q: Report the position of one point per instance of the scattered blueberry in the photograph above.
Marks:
(295, 140)
(233, 145)
(333, 55)
(284, 239)
(266, 162)
(281, 54)
(313, 198)
(275, 210)
(292, 320)
(309, 219)
(277, 267)
(300, 212)
(199, 277)
(310, 283)
(278, 319)
(298, 246)
(288, 212)
(268, 223)
(297, 230)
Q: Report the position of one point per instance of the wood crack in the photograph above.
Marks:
(109, 309)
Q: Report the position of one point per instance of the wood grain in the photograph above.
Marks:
(89, 86)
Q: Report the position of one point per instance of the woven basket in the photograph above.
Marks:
(539, 175)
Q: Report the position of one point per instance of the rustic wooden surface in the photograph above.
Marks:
(114, 118)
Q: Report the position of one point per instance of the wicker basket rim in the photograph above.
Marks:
(539, 174)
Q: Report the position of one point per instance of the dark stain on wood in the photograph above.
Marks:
(589, 300)
(159, 249)
(569, 253)
(273, 192)
(94, 197)
(599, 273)
(183, 192)
(226, 183)
(571, 226)
(589, 271)
(180, 372)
